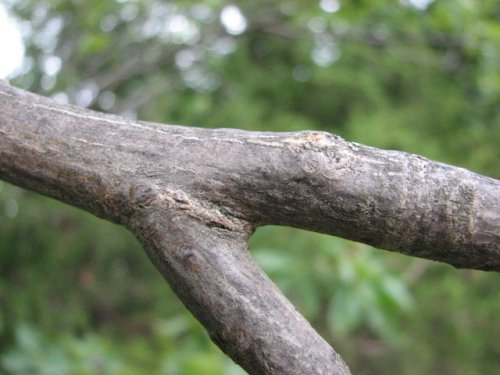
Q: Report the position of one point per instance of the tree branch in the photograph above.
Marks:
(193, 197)
(209, 267)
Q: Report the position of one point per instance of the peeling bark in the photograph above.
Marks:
(193, 197)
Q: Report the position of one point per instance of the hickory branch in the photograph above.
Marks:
(194, 196)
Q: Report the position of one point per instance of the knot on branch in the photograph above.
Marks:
(143, 195)
(321, 153)
(313, 140)
(150, 197)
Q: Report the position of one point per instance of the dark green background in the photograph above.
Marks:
(78, 295)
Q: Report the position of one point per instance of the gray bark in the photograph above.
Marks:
(194, 196)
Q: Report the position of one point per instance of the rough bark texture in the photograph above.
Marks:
(193, 197)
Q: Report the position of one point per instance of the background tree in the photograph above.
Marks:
(382, 73)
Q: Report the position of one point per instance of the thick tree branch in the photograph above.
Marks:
(193, 196)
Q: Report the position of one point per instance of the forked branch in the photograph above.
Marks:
(193, 197)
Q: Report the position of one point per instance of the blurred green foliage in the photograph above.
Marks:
(78, 296)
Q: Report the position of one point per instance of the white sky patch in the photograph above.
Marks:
(330, 6)
(180, 29)
(326, 54)
(11, 45)
(87, 94)
(418, 4)
(185, 59)
(233, 19)
(178, 24)
(52, 65)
